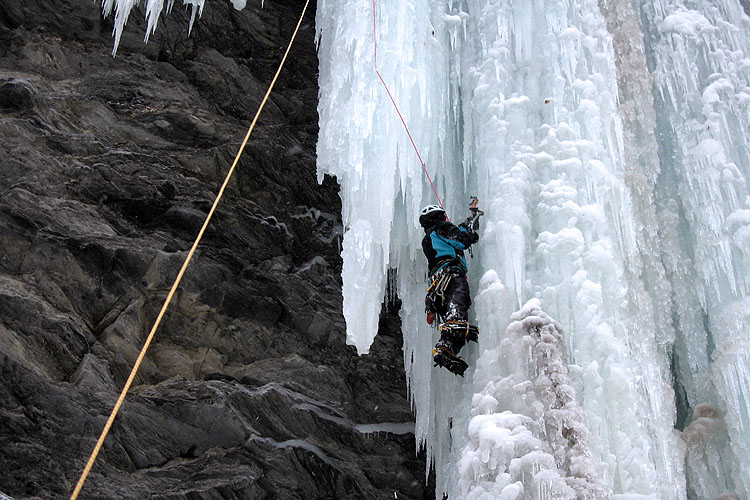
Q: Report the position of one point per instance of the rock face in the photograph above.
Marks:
(108, 169)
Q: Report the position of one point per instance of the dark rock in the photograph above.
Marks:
(108, 168)
(93, 375)
(18, 94)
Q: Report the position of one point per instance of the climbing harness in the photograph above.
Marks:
(150, 337)
(375, 45)
(435, 296)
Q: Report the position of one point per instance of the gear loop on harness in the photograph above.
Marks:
(439, 282)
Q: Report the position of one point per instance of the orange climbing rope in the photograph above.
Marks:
(375, 45)
(150, 337)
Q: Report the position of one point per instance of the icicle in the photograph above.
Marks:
(153, 11)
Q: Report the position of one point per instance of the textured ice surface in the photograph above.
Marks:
(363, 143)
(702, 76)
(634, 251)
(622, 212)
(527, 435)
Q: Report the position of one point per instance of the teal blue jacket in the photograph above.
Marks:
(444, 244)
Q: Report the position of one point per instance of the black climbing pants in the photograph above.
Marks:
(457, 301)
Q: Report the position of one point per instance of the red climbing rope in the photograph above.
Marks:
(424, 167)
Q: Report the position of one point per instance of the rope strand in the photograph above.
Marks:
(424, 167)
(150, 337)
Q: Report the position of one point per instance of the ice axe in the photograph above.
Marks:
(472, 222)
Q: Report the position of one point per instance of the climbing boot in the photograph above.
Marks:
(443, 355)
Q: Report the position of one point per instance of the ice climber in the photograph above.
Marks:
(448, 294)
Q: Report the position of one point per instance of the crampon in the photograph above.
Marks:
(443, 356)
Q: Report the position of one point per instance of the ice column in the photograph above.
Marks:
(536, 447)
(545, 144)
(701, 66)
(363, 142)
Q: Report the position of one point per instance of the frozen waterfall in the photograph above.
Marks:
(608, 143)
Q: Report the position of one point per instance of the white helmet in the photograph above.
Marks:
(430, 209)
(430, 215)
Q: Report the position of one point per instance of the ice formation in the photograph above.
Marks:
(608, 143)
(154, 9)
(527, 437)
